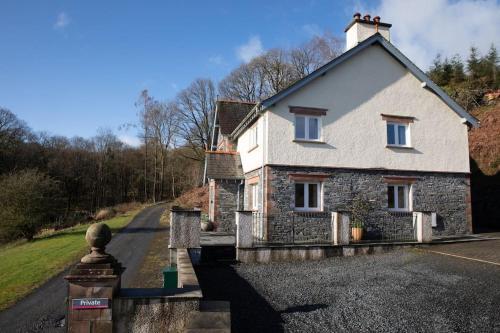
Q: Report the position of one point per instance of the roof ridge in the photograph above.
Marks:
(221, 152)
(235, 101)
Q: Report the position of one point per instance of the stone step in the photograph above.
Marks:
(213, 317)
(215, 306)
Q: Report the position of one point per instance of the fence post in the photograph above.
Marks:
(424, 226)
(340, 228)
(244, 236)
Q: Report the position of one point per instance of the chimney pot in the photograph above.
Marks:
(367, 18)
(376, 19)
(357, 16)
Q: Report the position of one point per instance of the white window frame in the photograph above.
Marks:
(306, 130)
(254, 137)
(255, 196)
(396, 134)
(306, 207)
(407, 198)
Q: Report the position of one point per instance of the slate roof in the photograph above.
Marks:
(231, 113)
(224, 165)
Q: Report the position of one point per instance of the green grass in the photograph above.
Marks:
(26, 265)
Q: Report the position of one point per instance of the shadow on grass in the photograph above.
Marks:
(250, 312)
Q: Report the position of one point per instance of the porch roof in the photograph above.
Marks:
(224, 165)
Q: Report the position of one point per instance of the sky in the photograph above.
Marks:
(72, 67)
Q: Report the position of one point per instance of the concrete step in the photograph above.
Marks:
(215, 306)
(213, 317)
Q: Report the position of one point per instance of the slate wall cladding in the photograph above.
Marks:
(227, 203)
(443, 193)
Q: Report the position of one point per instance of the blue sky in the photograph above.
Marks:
(70, 67)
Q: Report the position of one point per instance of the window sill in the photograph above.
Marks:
(253, 148)
(399, 147)
(308, 141)
(302, 210)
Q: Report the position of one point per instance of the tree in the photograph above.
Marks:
(29, 200)
(492, 67)
(196, 105)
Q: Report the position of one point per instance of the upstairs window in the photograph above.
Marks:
(307, 128)
(397, 134)
(254, 132)
(307, 196)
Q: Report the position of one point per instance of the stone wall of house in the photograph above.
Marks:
(226, 192)
(443, 193)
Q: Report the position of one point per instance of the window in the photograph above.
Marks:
(397, 134)
(398, 197)
(307, 128)
(254, 137)
(254, 197)
(307, 196)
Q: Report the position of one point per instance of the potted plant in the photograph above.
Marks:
(359, 213)
(206, 224)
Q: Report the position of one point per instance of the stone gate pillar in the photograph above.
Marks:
(92, 285)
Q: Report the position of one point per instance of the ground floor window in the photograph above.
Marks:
(254, 196)
(398, 197)
(307, 196)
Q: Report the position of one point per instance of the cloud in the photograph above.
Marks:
(62, 21)
(250, 50)
(216, 60)
(130, 140)
(423, 28)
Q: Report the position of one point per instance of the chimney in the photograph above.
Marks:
(362, 28)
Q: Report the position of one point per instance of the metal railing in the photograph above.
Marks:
(391, 226)
(291, 228)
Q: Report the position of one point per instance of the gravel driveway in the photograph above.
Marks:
(402, 291)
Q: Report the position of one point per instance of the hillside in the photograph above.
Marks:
(484, 142)
(484, 146)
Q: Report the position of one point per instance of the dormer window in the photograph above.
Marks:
(307, 123)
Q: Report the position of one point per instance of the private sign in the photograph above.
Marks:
(89, 303)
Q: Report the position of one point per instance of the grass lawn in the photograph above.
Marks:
(26, 265)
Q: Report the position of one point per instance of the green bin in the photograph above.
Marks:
(170, 277)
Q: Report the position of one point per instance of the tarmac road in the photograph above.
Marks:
(44, 310)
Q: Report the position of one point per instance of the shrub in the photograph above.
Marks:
(126, 207)
(29, 200)
(104, 214)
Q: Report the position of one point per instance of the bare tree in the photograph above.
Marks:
(196, 105)
(315, 53)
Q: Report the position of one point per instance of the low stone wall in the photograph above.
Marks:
(304, 253)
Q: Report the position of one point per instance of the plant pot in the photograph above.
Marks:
(357, 234)
(207, 226)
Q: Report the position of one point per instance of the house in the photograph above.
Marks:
(369, 122)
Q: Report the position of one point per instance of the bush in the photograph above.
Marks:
(29, 200)
(104, 214)
(126, 207)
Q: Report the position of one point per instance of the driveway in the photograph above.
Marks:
(409, 290)
(44, 309)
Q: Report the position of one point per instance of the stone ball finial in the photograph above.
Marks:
(98, 236)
